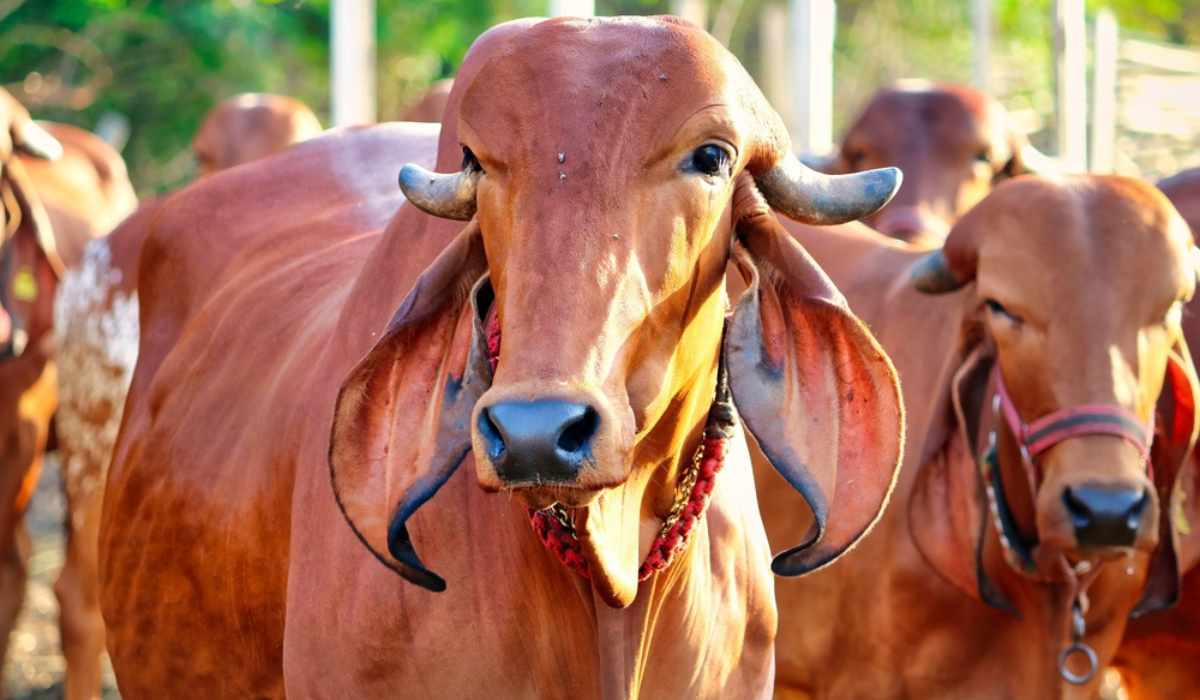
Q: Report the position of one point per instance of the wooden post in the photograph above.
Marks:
(1104, 91)
(773, 54)
(694, 11)
(572, 8)
(981, 23)
(1070, 44)
(352, 61)
(813, 27)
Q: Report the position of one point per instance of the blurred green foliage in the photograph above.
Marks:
(164, 63)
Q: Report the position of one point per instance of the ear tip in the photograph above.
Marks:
(401, 548)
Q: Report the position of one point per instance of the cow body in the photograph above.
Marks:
(902, 615)
(1157, 658)
(229, 569)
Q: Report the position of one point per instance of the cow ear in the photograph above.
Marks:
(948, 506)
(1175, 479)
(29, 265)
(813, 387)
(401, 423)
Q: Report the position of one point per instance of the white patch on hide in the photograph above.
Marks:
(98, 338)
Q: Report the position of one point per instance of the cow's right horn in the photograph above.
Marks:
(933, 275)
(447, 196)
(810, 197)
(36, 141)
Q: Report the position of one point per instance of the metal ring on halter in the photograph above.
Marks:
(1093, 664)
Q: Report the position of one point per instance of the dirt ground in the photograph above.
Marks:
(34, 670)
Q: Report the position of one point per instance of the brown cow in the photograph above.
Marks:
(953, 143)
(1158, 655)
(96, 320)
(432, 104)
(251, 126)
(967, 586)
(561, 342)
(51, 210)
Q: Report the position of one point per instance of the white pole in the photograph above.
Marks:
(694, 11)
(772, 32)
(1071, 69)
(1104, 91)
(981, 22)
(572, 8)
(352, 58)
(813, 26)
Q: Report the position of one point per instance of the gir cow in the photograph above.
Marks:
(953, 143)
(251, 126)
(61, 187)
(1158, 657)
(525, 372)
(1050, 403)
(96, 322)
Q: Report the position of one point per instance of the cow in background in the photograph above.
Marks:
(251, 126)
(61, 188)
(953, 144)
(96, 317)
(1159, 654)
(432, 104)
(522, 367)
(1026, 524)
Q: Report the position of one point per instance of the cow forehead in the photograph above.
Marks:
(598, 84)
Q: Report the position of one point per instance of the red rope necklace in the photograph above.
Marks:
(555, 526)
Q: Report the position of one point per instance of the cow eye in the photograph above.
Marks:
(996, 308)
(982, 157)
(711, 159)
(470, 162)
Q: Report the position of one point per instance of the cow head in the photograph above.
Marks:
(953, 144)
(249, 127)
(29, 262)
(606, 165)
(1078, 288)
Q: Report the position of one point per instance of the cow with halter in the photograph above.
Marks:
(1157, 658)
(96, 322)
(525, 372)
(953, 143)
(1040, 350)
(61, 187)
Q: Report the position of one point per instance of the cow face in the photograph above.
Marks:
(1080, 283)
(29, 263)
(953, 144)
(606, 167)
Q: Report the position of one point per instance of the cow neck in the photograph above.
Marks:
(1032, 440)
(555, 526)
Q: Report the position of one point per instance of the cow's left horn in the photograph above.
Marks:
(810, 197)
(933, 275)
(36, 141)
(447, 196)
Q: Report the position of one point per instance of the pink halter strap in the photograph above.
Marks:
(1087, 419)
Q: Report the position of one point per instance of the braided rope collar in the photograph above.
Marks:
(555, 526)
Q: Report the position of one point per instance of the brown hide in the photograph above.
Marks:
(952, 142)
(251, 126)
(432, 104)
(901, 615)
(327, 301)
(1157, 658)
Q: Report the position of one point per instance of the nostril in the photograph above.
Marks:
(579, 432)
(1077, 509)
(491, 435)
(1134, 521)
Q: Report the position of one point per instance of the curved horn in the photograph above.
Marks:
(933, 275)
(1038, 163)
(814, 198)
(36, 141)
(447, 196)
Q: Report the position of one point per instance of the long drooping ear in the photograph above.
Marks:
(29, 264)
(1173, 461)
(402, 420)
(948, 507)
(813, 387)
